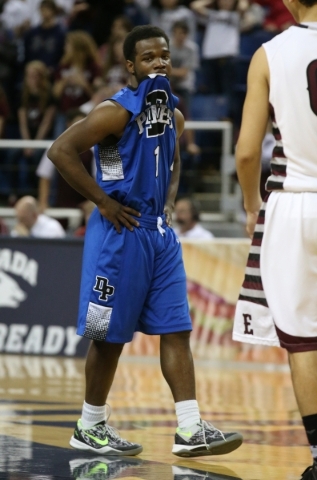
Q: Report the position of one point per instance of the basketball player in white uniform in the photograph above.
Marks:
(278, 300)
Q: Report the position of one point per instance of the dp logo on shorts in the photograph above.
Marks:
(102, 286)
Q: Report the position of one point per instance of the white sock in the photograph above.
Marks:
(91, 415)
(187, 413)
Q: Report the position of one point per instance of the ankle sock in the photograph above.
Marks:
(310, 424)
(91, 415)
(187, 413)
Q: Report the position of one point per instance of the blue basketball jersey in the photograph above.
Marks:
(137, 170)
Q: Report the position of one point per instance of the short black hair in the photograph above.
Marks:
(142, 32)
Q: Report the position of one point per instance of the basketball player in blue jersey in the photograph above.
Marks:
(133, 276)
(278, 304)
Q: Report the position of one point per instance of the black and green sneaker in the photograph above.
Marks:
(102, 439)
(204, 439)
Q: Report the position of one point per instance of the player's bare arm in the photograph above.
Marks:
(107, 121)
(173, 186)
(249, 148)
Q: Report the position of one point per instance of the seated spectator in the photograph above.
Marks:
(277, 18)
(64, 195)
(46, 41)
(31, 223)
(79, 72)
(187, 219)
(164, 13)
(185, 60)
(36, 115)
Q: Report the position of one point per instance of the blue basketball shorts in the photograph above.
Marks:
(133, 281)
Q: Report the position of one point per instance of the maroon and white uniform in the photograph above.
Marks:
(278, 302)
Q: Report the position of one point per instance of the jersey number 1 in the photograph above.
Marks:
(312, 85)
(157, 154)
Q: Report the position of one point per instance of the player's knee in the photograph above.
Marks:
(181, 338)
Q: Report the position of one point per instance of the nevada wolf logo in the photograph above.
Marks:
(156, 116)
(11, 295)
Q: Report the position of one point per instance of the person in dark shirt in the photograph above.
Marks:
(78, 73)
(46, 41)
(36, 115)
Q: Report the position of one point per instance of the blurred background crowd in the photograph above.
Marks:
(60, 58)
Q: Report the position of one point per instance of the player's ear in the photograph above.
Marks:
(130, 67)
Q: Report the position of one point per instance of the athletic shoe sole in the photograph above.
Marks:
(104, 450)
(220, 447)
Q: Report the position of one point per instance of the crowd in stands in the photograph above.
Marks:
(58, 57)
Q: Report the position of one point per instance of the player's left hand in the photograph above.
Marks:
(168, 210)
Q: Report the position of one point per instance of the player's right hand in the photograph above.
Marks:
(252, 218)
(119, 214)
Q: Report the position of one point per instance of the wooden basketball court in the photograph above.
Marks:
(41, 399)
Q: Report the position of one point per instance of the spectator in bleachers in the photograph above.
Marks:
(115, 73)
(46, 41)
(63, 194)
(79, 72)
(252, 17)
(220, 45)
(120, 27)
(32, 223)
(164, 13)
(185, 61)
(277, 18)
(187, 218)
(36, 116)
